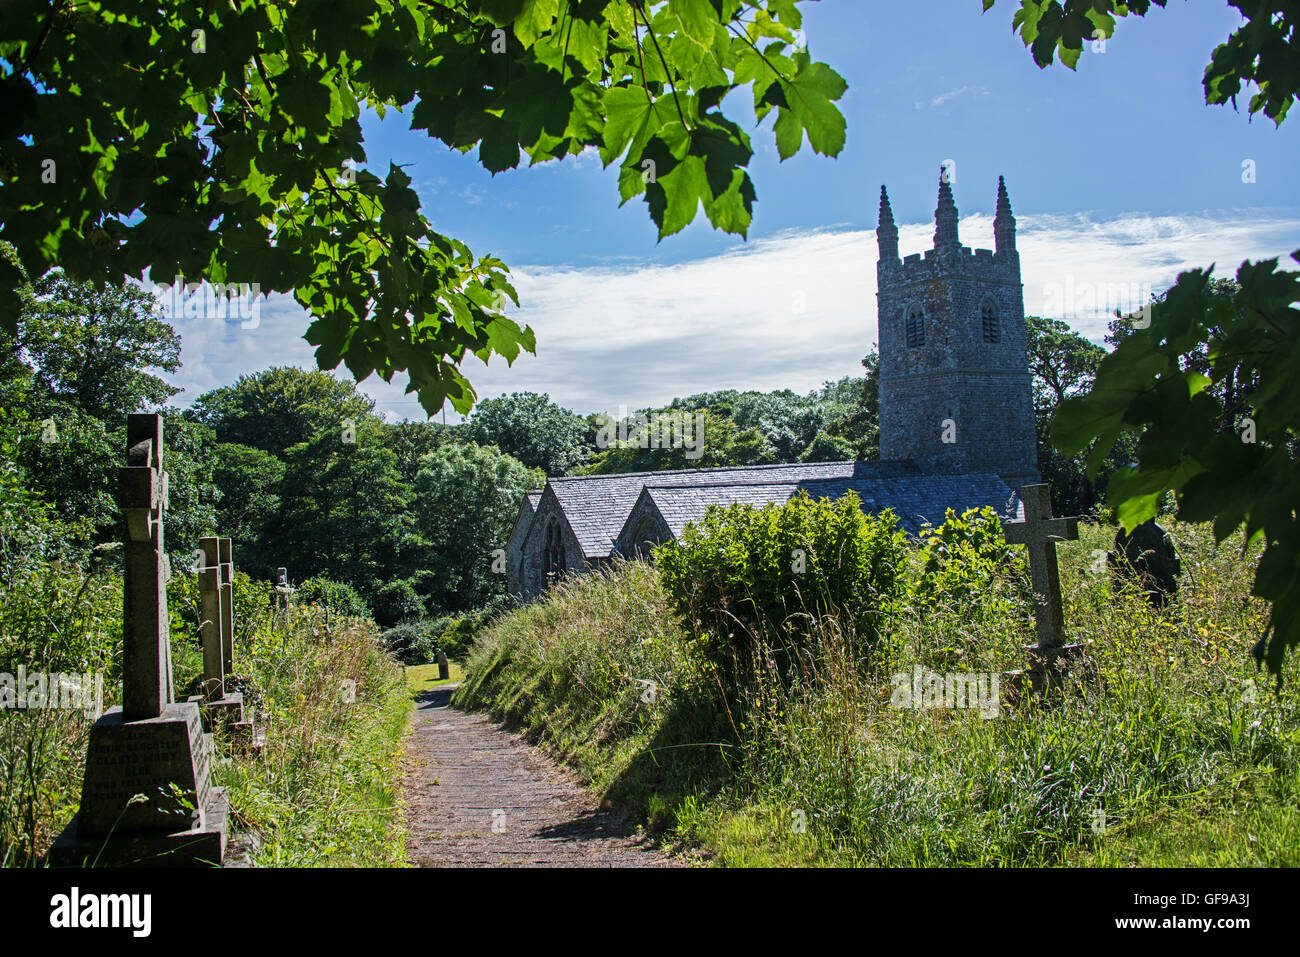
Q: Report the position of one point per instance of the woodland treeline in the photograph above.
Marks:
(400, 521)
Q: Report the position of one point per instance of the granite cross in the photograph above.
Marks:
(1039, 532)
(142, 494)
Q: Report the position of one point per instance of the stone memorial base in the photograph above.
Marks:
(203, 845)
(224, 719)
(147, 795)
(1046, 672)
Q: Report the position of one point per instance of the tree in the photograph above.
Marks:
(77, 362)
(533, 429)
(343, 511)
(279, 407)
(710, 442)
(249, 481)
(1063, 364)
(466, 499)
(1260, 52)
(97, 349)
(412, 441)
(224, 141)
(1228, 461)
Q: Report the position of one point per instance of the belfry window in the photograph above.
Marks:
(915, 327)
(989, 320)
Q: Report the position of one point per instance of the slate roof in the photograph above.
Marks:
(915, 498)
(596, 506)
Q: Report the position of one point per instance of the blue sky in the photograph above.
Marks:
(1118, 172)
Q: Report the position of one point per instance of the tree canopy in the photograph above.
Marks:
(223, 142)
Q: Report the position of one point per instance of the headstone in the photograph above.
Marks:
(210, 611)
(1149, 556)
(221, 707)
(226, 557)
(147, 797)
(444, 670)
(1039, 532)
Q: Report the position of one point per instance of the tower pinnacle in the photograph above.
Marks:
(1004, 224)
(887, 232)
(945, 216)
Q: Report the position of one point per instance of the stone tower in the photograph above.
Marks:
(955, 388)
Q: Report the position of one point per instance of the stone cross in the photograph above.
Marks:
(210, 608)
(1039, 533)
(142, 495)
(227, 560)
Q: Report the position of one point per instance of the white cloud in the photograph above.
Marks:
(638, 334)
(942, 98)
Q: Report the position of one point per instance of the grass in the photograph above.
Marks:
(321, 792)
(332, 702)
(421, 678)
(1176, 753)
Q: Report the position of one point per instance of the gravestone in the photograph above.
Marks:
(221, 707)
(444, 670)
(1149, 557)
(147, 796)
(227, 560)
(1039, 532)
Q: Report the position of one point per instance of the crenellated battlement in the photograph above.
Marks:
(954, 262)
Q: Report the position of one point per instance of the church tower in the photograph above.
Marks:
(955, 388)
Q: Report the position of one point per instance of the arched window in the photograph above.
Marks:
(989, 320)
(553, 551)
(915, 326)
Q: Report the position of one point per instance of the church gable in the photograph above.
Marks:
(549, 549)
(515, 544)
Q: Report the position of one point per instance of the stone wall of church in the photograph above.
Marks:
(532, 562)
(644, 528)
(955, 402)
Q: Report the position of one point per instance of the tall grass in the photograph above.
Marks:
(323, 789)
(331, 701)
(1169, 748)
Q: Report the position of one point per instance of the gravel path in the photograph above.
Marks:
(479, 796)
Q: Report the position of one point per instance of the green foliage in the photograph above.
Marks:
(465, 502)
(232, 154)
(419, 640)
(1190, 760)
(1258, 52)
(341, 598)
(93, 349)
(1228, 454)
(749, 578)
(323, 791)
(1063, 364)
(279, 407)
(343, 509)
(248, 480)
(963, 559)
(531, 428)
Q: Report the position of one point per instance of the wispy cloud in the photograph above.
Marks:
(787, 312)
(943, 98)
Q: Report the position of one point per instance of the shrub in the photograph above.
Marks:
(341, 597)
(751, 581)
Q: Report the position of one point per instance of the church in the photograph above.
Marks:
(956, 419)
